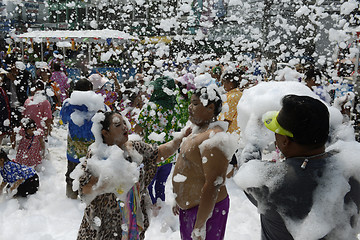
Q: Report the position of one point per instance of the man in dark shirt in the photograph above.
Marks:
(301, 131)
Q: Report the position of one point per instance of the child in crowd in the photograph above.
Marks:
(31, 145)
(17, 177)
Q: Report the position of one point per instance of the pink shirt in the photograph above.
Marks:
(38, 109)
(29, 150)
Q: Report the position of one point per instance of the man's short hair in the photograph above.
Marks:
(306, 118)
(83, 85)
(211, 95)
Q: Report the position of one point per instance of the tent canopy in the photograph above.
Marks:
(77, 36)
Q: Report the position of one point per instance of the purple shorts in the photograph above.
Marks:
(215, 225)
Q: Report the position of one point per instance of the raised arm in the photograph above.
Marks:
(169, 148)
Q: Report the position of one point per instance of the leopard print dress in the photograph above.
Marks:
(102, 217)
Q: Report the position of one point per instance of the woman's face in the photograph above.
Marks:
(198, 113)
(118, 131)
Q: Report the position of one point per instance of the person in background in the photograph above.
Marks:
(19, 180)
(200, 172)
(57, 58)
(165, 121)
(231, 82)
(52, 90)
(31, 147)
(16, 85)
(38, 108)
(103, 86)
(131, 102)
(77, 111)
(313, 79)
(287, 193)
(4, 110)
(61, 79)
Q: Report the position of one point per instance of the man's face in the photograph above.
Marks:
(198, 113)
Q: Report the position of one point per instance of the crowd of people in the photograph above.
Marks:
(125, 138)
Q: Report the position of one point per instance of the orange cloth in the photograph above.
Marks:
(232, 101)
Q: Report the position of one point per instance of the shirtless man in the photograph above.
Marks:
(200, 172)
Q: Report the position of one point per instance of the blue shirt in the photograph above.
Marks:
(11, 172)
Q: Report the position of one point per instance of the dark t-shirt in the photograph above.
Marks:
(294, 198)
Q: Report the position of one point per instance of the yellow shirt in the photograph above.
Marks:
(232, 100)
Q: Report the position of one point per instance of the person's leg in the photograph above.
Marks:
(30, 186)
(15, 118)
(187, 220)
(216, 224)
(69, 181)
(161, 177)
(151, 188)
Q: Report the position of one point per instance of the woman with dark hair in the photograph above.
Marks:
(103, 218)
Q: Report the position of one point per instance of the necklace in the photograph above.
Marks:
(306, 160)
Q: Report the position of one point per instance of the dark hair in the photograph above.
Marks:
(3, 155)
(83, 85)
(234, 77)
(57, 66)
(307, 118)
(28, 123)
(107, 121)
(203, 93)
(312, 73)
(39, 85)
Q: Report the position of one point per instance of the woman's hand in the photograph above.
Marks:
(187, 132)
(176, 209)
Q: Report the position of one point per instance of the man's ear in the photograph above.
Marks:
(286, 141)
(104, 133)
(211, 107)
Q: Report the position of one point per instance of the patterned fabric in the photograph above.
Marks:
(29, 150)
(131, 214)
(79, 137)
(61, 79)
(77, 148)
(233, 98)
(156, 119)
(110, 97)
(55, 60)
(11, 172)
(105, 208)
(38, 109)
(183, 116)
